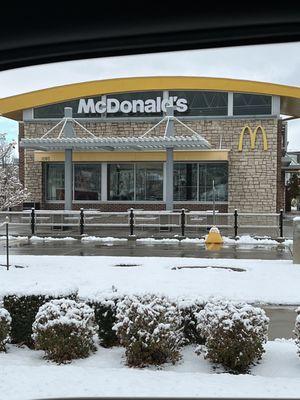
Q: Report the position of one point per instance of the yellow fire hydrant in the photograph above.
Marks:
(214, 236)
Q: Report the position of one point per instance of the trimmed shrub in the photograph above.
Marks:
(188, 311)
(149, 328)
(65, 330)
(235, 334)
(5, 327)
(105, 316)
(23, 310)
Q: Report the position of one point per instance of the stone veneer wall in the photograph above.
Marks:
(253, 174)
(21, 154)
(282, 131)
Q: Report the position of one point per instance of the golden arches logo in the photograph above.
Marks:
(253, 135)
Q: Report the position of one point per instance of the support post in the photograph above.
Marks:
(68, 132)
(169, 159)
(281, 224)
(183, 222)
(131, 222)
(7, 244)
(32, 221)
(235, 223)
(68, 179)
(296, 240)
(214, 203)
(169, 179)
(81, 222)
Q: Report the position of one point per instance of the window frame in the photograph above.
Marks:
(45, 181)
(198, 163)
(134, 183)
(134, 201)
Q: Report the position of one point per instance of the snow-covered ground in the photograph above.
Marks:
(26, 375)
(262, 281)
(242, 240)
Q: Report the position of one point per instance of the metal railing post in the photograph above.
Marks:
(296, 240)
(81, 223)
(32, 221)
(7, 244)
(235, 223)
(131, 222)
(182, 222)
(281, 224)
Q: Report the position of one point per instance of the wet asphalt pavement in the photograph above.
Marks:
(282, 321)
(143, 249)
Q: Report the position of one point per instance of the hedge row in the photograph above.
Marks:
(23, 310)
(151, 328)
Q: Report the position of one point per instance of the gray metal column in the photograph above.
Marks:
(68, 179)
(68, 132)
(296, 241)
(170, 123)
(104, 182)
(169, 179)
(169, 160)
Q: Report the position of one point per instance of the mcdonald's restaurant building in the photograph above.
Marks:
(228, 141)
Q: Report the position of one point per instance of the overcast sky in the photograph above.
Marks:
(278, 63)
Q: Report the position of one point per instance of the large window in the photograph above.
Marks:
(149, 181)
(194, 181)
(120, 182)
(87, 182)
(140, 181)
(185, 182)
(188, 103)
(203, 103)
(55, 182)
(251, 104)
(209, 174)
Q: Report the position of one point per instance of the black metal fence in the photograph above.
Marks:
(131, 222)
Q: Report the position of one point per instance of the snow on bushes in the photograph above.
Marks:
(23, 309)
(65, 330)
(105, 309)
(149, 328)
(188, 310)
(5, 327)
(105, 315)
(235, 334)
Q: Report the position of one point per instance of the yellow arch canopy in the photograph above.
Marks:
(13, 106)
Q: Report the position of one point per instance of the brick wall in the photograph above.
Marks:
(144, 206)
(253, 183)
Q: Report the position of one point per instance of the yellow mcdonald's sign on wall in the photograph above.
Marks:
(253, 134)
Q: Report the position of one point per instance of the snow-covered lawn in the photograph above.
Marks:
(262, 281)
(26, 375)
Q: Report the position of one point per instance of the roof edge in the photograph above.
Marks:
(11, 106)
